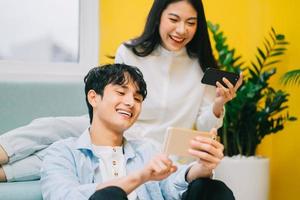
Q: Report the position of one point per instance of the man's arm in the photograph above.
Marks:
(59, 177)
(159, 168)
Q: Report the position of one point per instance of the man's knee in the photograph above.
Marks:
(109, 193)
(206, 188)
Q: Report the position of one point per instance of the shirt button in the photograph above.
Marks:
(114, 149)
(114, 162)
(116, 174)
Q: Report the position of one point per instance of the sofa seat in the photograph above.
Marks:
(25, 190)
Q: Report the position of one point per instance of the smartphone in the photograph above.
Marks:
(212, 75)
(177, 140)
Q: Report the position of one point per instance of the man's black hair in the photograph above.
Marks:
(117, 74)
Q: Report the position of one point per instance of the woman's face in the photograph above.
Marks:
(178, 24)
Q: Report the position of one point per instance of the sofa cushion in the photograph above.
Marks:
(27, 190)
(20, 103)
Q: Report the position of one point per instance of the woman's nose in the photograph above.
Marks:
(180, 29)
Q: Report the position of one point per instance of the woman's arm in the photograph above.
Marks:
(39, 134)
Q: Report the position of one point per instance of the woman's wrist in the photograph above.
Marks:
(218, 109)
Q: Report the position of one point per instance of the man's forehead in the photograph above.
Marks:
(130, 84)
(127, 85)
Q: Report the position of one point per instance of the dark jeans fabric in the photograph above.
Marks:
(207, 189)
(199, 189)
(109, 193)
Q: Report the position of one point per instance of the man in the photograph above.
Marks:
(102, 164)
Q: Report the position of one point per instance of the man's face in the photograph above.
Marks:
(119, 107)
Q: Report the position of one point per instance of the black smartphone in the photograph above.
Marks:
(212, 75)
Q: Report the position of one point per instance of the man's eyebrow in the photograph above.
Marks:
(175, 15)
(138, 91)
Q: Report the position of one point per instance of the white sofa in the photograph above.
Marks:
(20, 103)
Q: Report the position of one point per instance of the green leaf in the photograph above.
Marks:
(255, 67)
(266, 48)
(213, 27)
(268, 43)
(259, 62)
(280, 49)
(280, 37)
(236, 59)
(227, 59)
(291, 77)
(261, 53)
(223, 52)
(272, 63)
(273, 31)
(272, 37)
(292, 118)
(282, 43)
(253, 73)
(276, 54)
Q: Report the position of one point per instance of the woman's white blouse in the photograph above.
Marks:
(176, 97)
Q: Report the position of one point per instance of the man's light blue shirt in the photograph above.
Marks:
(69, 171)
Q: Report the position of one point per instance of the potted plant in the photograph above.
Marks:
(258, 110)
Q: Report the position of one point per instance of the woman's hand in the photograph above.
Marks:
(225, 94)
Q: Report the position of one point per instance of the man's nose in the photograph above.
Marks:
(129, 100)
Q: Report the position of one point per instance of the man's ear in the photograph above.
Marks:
(92, 97)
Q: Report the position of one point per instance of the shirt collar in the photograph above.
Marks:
(84, 144)
(84, 141)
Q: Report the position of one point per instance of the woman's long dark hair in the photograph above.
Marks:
(199, 47)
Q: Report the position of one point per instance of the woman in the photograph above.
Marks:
(172, 52)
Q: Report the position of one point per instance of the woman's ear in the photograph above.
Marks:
(92, 97)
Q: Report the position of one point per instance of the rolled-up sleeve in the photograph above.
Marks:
(206, 119)
(174, 186)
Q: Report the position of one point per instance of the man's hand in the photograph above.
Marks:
(209, 153)
(159, 168)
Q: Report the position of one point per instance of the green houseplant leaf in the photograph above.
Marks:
(291, 77)
(258, 109)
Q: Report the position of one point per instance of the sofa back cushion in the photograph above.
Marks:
(21, 102)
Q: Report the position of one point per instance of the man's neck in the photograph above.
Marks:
(102, 136)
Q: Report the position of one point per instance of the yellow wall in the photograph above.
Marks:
(120, 21)
(245, 23)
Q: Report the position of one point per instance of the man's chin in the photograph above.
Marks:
(124, 127)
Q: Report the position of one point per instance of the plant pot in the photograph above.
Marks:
(247, 177)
